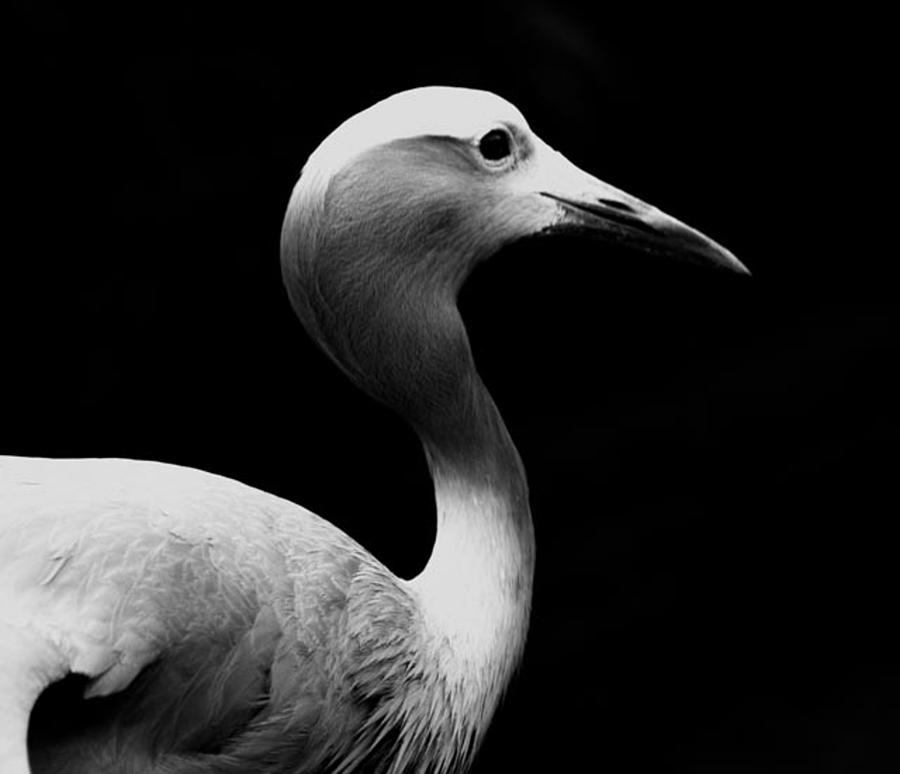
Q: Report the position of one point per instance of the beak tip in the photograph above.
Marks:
(732, 262)
(602, 209)
(728, 261)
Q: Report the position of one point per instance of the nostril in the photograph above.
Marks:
(617, 205)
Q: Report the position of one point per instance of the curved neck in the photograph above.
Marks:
(475, 590)
(399, 336)
(477, 584)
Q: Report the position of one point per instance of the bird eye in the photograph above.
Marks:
(496, 145)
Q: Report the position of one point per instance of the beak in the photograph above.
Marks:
(588, 205)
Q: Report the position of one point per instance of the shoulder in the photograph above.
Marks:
(119, 560)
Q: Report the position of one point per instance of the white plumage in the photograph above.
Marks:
(224, 629)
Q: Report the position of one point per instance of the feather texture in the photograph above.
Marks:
(222, 629)
(196, 625)
(113, 579)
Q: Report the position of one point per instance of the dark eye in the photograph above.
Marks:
(495, 145)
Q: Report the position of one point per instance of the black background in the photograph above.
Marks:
(712, 458)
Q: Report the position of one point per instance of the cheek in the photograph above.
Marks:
(439, 221)
(481, 225)
(518, 216)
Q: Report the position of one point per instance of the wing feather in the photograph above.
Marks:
(202, 612)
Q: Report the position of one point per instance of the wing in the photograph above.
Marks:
(197, 610)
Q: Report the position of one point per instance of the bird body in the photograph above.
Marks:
(107, 561)
(220, 629)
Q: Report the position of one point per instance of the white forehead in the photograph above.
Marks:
(431, 110)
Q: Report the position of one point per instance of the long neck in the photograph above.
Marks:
(475, 590)
(399, 336)
(476, 587)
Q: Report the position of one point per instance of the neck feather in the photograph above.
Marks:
(399, 336)
(476, 588)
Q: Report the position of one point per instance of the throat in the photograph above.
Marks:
(414, 356)
(476, 588)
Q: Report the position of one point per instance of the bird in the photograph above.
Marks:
(221, 629)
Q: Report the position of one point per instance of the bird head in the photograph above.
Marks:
(398, 203)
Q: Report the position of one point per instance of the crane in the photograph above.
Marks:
(223, 629)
